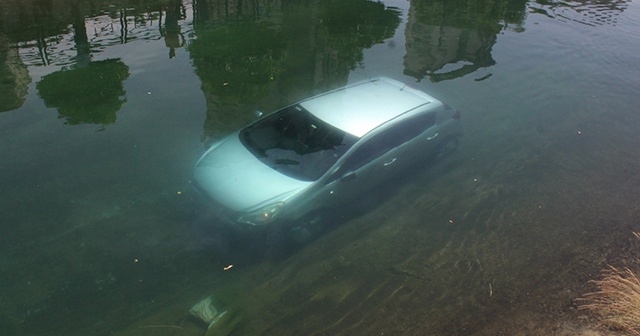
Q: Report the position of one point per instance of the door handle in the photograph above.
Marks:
(433, 137)
(390, 162)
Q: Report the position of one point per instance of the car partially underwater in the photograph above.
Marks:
(324, 151)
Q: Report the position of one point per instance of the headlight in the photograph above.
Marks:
(263, 215)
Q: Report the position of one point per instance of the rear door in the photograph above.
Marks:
(382, 156)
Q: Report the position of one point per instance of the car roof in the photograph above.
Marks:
(359, 108)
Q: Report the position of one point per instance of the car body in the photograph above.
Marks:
(324, 151)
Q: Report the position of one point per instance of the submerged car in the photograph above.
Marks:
(324, 151)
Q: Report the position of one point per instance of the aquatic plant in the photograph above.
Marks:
(617, 300)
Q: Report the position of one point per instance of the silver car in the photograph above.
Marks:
(324, 151)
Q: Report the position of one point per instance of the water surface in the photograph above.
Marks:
(104, 109)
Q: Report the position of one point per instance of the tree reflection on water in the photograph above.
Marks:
(91, 94)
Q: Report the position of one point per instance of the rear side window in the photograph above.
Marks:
(410, 128)
(389, 139)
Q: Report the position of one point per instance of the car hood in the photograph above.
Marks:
(231, 175)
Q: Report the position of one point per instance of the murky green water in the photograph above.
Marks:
(106, 106)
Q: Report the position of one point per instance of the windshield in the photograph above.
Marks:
(296, 143)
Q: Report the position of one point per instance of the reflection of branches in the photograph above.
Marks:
(43, 26)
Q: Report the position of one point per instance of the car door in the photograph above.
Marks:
(420, 137)
(380, 157)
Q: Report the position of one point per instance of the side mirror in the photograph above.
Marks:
(348, 176)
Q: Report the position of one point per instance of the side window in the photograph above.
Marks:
(368, 151)
(389, 139)
(411, 128)
(415, 126)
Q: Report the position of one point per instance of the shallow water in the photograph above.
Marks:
(100, 232)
